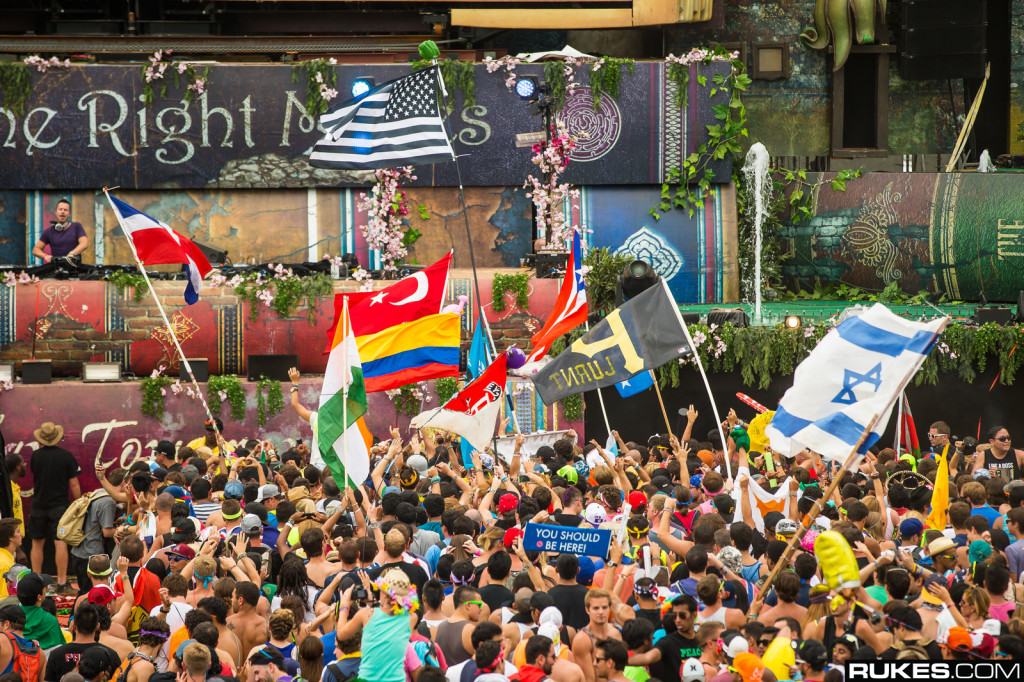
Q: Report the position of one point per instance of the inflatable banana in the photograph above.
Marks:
(838, 565)
(779, 657)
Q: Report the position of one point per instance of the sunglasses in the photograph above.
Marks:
(598, 659)
(933, 436)
(1003, 439)
(764, 642)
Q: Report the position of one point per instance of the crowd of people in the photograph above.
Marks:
(218, 560)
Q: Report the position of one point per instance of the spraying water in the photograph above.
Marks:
(985, 164)
(755, 171)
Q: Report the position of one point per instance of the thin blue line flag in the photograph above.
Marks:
(856, 372)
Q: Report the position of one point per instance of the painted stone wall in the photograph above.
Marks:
(959, 234)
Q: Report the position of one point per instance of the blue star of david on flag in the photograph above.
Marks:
(834, 401)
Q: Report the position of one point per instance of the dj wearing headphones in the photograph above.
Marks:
(65, 238)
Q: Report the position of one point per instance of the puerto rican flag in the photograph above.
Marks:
(570, 309)
(155, 243)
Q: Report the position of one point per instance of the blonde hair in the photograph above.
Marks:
(491, 537)
(204, 566)
(815, 611)
(203, 452)
(196, 659)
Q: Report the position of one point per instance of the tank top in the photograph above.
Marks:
(449, 637)
(385, 639)
(717, 617)
(1006, 468)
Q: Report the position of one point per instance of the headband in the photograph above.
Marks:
(101, 573)
(206, 580)
(819, 598)
(232, 517)
(638, 531)
(642, 591)
(155, 633)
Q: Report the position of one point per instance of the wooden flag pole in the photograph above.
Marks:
(663, 412)
(600, 396)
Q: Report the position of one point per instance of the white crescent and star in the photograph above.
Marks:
(422, 287)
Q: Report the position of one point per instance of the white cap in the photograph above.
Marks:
(692, 671)
(595, 514)
(419, 463)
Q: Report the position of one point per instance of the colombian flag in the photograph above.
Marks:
(426, 348)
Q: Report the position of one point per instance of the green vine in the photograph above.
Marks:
(686, 187)
(518, 283)
(15, 86)
(227, 387)
(128, 280)
(153, 389)
(445, 388)
(572, 407)
(605, 76)
(407, 399)
(679, 74)
(602, 276)
(288, 291)
(554, 76)
(274, 401)
(456, 74)
(316, 103)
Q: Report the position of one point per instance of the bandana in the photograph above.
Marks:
(642, 591)
(638, 532)
(155, 633)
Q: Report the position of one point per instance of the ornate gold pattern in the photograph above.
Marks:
(868, 235)
(184, 328)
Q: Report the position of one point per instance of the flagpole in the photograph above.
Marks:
(345, 385)
(160, 307)
(664, 413)
(600, 396)
(704, 376)
(899, 426)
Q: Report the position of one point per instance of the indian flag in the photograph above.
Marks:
(342, 443)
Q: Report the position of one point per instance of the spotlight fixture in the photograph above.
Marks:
(636, 278)
(6, 372)
(96, 372)
(526, 86)
(361, 86)
(793, 322)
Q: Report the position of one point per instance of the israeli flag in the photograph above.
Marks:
(854, 376)
(635, 384)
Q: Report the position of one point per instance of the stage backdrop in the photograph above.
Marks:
(960, 234)
(86, 126)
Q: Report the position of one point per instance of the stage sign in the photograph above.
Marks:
(88, 126)
(539, 537)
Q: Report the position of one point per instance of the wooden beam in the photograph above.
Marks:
(542, 18)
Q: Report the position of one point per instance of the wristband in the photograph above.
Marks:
(435, 479)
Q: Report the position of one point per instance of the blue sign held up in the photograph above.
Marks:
(538, 537)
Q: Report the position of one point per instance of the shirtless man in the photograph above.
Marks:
(787, 587)
(318, 568)
(599, 604)
(229, 641)
(250, 627)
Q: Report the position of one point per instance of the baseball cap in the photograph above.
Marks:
(595, 514)
(731, 559)
(190, 472)
(748, 666)
(178, 492)
(419, 463)
(732, 643)
(696, 480)
(507, 503)
(569, 473)
(585, 575)
(933, 579)
(786, 527)
(772, 518)
(251, 525)
(979, 551)
(269, 491)
(102, 594)
(541, 600)
(387, 491)
(510, 537)
(12, 614)
(159, 473)
(32, 585)
(812, 652)
(637, 500)
(332, 507)
(911, 527)
(692, 671)
(233, 490)
(957, 639)
(165, 447)
(982, 473)
(183, 551)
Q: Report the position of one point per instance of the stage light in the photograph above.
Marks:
(6, 371)
(636, 278)
(793, 322)
(361, 86)
(94, 372)
(526, 86)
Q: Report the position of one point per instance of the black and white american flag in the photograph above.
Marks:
(397, 123)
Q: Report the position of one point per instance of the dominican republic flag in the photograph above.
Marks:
(154, 243)
(851, 382)
(473, 412)
(397, 123)
(570, 309)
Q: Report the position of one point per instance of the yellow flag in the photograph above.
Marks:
(940, 493)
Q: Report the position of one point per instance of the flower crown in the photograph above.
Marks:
(399, 603)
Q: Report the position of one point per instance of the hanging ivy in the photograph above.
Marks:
(321, 79)
(128, 280)
(572, 407)
(555, 76)
(445, 388)
(153, 390)
(605, 76)
(283, 291)
(456, 74)
(15, 86)
(226, 387)
(273, 403)
(517, 283)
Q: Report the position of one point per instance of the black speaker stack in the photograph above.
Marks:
(942, 39)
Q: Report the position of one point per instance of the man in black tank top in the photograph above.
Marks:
(1001, 459)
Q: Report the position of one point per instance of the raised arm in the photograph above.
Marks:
(303, 412)
(691, 418)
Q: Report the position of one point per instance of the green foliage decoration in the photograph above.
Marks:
(128, 280)
(457, 74)
(445, 388)
(602, 276)
(288, 291)
(518, 283)
(231, 386)
(572, 407)
(274, 401)
(605, 76)
(153, 389)
(15, 86)
(316, 103)
(555, 76)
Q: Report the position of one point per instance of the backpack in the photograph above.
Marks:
(338, 675)
(71, 527)
(27, 660)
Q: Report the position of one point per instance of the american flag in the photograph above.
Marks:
(397, 123)
(570, 309)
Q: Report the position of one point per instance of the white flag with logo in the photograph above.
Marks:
(855, 373)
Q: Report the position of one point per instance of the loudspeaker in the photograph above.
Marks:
(942, 39)
(200, 369)
(36, 372)
(215, 256)
(270, 366)
(736, 316)
(998, 315)
(551, 265)
(690, 318)
(1020, 306)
